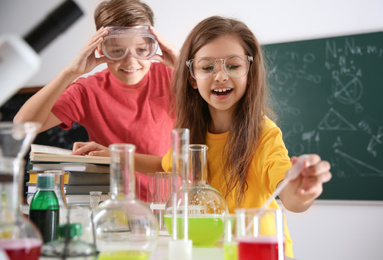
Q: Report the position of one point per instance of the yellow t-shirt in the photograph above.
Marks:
(267, 169)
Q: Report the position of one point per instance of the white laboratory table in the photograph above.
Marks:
(199, 253)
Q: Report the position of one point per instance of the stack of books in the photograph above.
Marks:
(82, 174)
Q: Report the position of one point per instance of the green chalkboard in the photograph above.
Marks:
(329, 98)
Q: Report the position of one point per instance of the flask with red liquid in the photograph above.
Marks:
(19, 238)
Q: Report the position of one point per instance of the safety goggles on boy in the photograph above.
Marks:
(234, 66)
(136, 40)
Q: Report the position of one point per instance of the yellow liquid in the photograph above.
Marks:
(124, 255)
(230, 251)
(204, 229)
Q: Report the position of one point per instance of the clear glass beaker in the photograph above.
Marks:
(59, 186)
(159, 190)
(19, 238)
(94, 199)
(124, 226)
(207, 206)
(59, 190)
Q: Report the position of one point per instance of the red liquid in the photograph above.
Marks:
(21, 249)
(260, 248)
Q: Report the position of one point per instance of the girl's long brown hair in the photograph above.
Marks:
(192, 111)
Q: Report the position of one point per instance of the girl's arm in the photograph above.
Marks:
(38, 107)
(301, 192)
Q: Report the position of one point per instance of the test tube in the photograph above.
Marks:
(180, 248)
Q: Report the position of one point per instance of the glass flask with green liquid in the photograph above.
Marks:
(206, 205)
(124, 227)
(19, 237)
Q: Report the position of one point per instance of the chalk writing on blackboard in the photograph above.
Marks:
(328, 92)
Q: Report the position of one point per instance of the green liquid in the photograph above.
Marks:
(124, 255)
(204, 229)
(230, 251)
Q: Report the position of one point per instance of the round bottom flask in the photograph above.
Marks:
(19, 237)
(206, 205)
(125, 228)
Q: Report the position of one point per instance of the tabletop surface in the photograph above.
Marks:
(198, 253)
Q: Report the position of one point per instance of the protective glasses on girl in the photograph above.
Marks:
(136, 40)
(235, 66)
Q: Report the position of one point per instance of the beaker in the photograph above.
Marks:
(207, 206)
(94, 198)
(19, 238)
(60, 194)
(59, 186)
(159, 190)
(124, 226)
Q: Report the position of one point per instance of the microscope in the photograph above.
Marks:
(19, 59)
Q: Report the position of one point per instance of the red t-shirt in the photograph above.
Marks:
(113, 112)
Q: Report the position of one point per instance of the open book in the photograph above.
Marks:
(45, 153)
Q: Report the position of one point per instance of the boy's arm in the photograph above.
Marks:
(147, 164)
(143, 163)
(38, 108)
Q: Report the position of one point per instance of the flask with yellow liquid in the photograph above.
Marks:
(125, 228)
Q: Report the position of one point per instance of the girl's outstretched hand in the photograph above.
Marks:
(86, 60)
(300, 193)
(169, 52)
(90, 148)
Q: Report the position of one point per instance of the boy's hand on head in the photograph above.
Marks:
(86, 60)
(90, 148)
(169, 51)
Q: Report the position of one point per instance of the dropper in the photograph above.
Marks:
(291, 174)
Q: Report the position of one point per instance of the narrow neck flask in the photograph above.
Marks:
(125, 228)
(206, 205)
(44, 209)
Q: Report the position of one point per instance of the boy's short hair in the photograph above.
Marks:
(123, 13)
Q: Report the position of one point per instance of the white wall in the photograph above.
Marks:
(328, 230)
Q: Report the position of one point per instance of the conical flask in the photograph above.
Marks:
(207, 206)
(19, 238)
(125, 228)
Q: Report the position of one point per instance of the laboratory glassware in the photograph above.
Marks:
(124, 226)
(19, 237)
